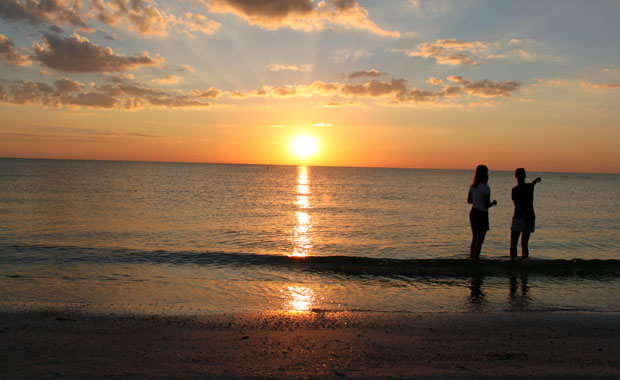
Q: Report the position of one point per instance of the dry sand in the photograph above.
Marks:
(324, 345)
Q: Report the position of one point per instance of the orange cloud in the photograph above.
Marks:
(275, 67)
(449, 51)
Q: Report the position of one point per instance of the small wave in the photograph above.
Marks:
(347, 265)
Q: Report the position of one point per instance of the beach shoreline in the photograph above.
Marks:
(72, 344)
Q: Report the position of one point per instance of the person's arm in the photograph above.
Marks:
(470, 200)
(487, 200)
(536, 180)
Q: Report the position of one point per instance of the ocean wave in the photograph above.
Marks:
(346, 265)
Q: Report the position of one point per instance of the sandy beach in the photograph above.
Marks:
(316, 344)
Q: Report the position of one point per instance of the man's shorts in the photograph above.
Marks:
(521, 225)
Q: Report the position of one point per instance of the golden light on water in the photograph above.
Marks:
(302, 233)
(300, 298)
(304, 146)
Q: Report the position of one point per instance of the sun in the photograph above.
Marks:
(304, 146)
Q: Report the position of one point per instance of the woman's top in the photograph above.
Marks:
(477, 195)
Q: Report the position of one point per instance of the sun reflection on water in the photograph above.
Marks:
(302, 236)
(300, 298)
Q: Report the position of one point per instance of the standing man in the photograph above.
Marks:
(523, 220)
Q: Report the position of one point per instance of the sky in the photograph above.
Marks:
(387, 83)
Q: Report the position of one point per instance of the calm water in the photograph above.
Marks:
(153, 237)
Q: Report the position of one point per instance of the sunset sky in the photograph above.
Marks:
(395, 83)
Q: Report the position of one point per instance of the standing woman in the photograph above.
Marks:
(479, 197)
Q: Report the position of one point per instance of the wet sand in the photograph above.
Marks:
(302, 345)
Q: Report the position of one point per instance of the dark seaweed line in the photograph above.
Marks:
(346, 265)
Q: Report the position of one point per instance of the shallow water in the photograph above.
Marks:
(153, 237)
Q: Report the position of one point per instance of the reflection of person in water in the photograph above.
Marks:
(479, 197)
(477, 298)
(523, 220)
(518, 297)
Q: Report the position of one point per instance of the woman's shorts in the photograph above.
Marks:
(479, 220)
(521, 225)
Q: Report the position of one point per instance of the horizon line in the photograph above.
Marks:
(292, 165)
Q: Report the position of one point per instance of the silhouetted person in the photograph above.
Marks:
(480, 197)
(524, 219)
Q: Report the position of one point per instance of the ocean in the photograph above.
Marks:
(186, 238)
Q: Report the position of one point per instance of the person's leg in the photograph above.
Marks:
(514, 239)
(478, 246)
(472, 247)
(525, 251)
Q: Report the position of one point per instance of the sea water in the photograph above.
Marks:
(193, 238)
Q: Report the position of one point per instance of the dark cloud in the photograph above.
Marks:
(285, 92)
(66, 86)
(131, 90)
(268, 9)
(343, 5)
(9, 53)
(301, 14)
(177, 102)
(35, 12)
(486, 88)
(123, 93)
(375, 88)
(210, 93)
(93, 100)
(395, 91)
(78, 54)
(56, 29)
(372, 73)
(29, 92)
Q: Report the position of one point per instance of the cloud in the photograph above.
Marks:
(35, 12)
(141, 15)
(434, 81)
(66, 86)
(301, 14)
(78, 54)
(198, 23)
(93, 100)
(210, 93)
(599, 86)
(394, 91)
(9, 53)
(486, 88)
(119, 93)
(526, 56)
(449, 51)
(276, 67)
(170, 79)
(372, 73)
